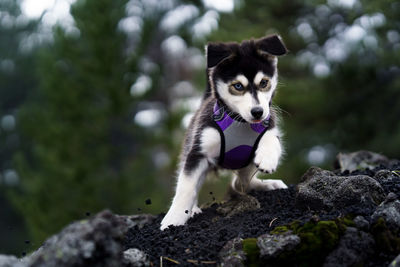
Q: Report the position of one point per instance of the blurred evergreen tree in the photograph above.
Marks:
(86, 154)
(87, 150)
(16, 61)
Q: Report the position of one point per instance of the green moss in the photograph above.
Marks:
(252, 251)
(317, 240)
(385, 239)
(295, 225)
(347, 220)
(280, 230)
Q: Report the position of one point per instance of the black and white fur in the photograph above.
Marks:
(247, 63)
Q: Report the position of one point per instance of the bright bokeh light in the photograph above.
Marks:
(148, 118)
(220, 5)
(34, 8)
(141, 86)
(57, 10)
(343, 3)
(174, 45)
(317, 155)
(178, 16)
(8, 122)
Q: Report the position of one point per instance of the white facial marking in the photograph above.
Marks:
(241, 78)
(274, 81)
(259, 76)
(238, 103)
(242, 104)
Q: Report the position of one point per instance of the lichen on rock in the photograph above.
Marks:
(232, 253)
(272, 246)
(321, 189)
(389, 210)
(135, 257)
(359, 160)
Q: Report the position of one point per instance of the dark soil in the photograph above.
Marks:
(205, 234)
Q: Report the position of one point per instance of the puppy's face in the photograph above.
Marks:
(244, 76)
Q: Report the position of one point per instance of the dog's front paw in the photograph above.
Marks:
(175, 218)
(272, 184)
(195, 210)
(266, 161)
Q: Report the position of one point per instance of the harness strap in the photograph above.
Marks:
(240, 141)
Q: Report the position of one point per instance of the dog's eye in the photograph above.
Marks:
(238, 86)
(263, 83)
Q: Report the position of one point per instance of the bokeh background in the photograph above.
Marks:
(95, 96)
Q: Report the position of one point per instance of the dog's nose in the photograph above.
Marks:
(257, 112)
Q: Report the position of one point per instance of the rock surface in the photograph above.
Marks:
(361, 223)
(11, 261)
(346, 214)
(238, 204)
(139, 220)
(353, 249)
(389, 210)
(321, 189)
(232, 253)
(80, 243)
(271, 246)
(395, 262)
(359, 160)
(135, 257)
(97, 241)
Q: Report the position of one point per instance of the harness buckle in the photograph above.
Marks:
(218, 117)
(219, 114)
(265, 123)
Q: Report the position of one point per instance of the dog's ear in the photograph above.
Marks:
(217, 52)
(271, 45)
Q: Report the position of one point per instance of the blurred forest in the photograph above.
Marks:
(93, 108)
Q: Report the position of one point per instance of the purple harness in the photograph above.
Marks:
(239, 140)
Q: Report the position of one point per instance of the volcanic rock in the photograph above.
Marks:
(232, 253)
(271, 246)
(359, 160)
(11, 261)
(321, 189)
(389, 210)
(238, 203)
(135, 257)
(353, 249)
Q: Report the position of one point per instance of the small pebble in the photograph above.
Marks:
(315, 218)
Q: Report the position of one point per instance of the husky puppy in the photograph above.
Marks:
(235, 126)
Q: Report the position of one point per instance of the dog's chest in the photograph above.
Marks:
(238, 140)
